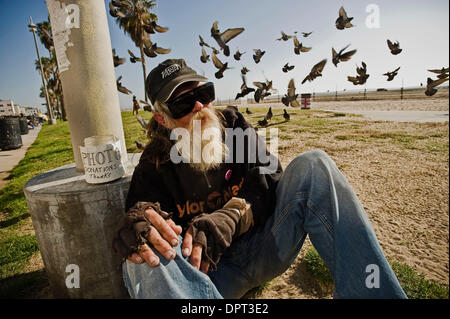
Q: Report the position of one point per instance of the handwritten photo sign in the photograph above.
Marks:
(101, 159)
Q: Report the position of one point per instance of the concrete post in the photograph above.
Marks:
(75, 221)
(74, 224)
(84, 54)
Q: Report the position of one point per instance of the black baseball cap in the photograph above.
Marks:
(167, 76)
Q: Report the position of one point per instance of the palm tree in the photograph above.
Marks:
(134, 17)
(44, 31)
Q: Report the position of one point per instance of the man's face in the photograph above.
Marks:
(210, 146)
(186, 120)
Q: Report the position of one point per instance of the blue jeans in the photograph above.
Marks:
(313, 198)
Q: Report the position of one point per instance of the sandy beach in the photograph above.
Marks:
(403, 190)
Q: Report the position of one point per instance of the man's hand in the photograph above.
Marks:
(163, 237)
(195, 252)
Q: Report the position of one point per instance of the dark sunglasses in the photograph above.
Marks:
(183, 104)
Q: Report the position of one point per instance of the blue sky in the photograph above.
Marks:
(421, 27)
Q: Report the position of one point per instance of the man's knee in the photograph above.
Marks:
(308, 159)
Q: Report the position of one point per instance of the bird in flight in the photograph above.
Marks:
(362, 76)
(394, 47)
(244, 89)
(290, 98)
(202, 42)
(442, 73)
(316, 71)
(306, 34)
(221, 66)
(204, 57)
(258, 55)
(237, 55)
(152, 50)
(391, 75)
(298, 47)
(244, 70)
(223, 38)
(287, 67)
(284, 36)
(133, 58)
(341, 56)
(343, 21)
(430, 91)
(262, 90)
(120, 87)
(117, 61)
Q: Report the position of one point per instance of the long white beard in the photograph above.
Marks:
(204, 149)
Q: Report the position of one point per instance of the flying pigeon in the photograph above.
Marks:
(442, 73)
(362, 76)
(262, 90)
(237, 55)
(244, 70)
(114, 12)
(316, 71)
(341, 57)
(204, 57)
(151, 49)
(133, 58)
(121, 88)
(306, 34)
(287, 67)
(284, 36)
(290, 98)
(215, 51)
(430, 91)
(202, 42)
(298, 47)
(391, 75)
(244, 89)
(147, 107)
(219, 65)
(343, 21)
(394, 47)
(151, 27)
(258, 55)
(117, 61)
(223, 38)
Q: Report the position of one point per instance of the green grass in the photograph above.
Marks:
(415, 285)
(53, 149)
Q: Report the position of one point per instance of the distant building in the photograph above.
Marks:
(7, 107)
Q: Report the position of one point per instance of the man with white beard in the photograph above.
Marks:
(233, 225)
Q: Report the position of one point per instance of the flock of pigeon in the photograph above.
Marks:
(264, 89)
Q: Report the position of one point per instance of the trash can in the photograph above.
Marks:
(10, 133)
(305, 101)
(23, 122)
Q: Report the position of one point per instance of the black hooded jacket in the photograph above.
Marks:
(186, 192)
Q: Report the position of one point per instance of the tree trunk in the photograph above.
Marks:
(141, 47)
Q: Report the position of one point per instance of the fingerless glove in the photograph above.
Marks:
(134, 228)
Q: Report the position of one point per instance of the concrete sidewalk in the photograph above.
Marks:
(402, 116)
(10, 158)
